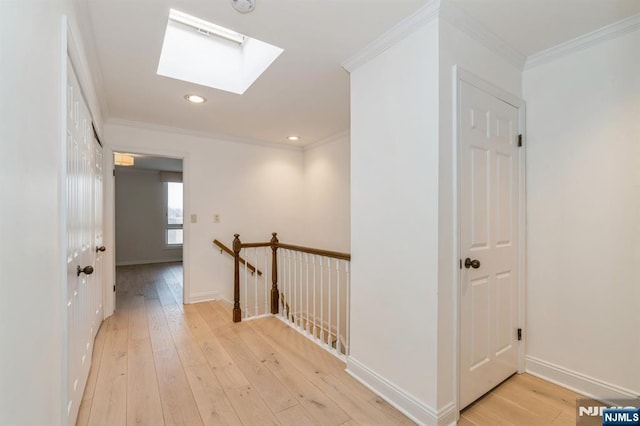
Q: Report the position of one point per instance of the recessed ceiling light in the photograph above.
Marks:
(293, 138)
(195, 99)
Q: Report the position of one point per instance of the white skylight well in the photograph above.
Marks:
(204, 53)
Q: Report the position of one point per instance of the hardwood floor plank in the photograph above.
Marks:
(318, 405)
(250, 407)
(358, 409)
(178, 403)
(109, 403)
(274, 394)
(389, 411)
(301, 351)
(295, 416)
(213, 404)
(143, 397)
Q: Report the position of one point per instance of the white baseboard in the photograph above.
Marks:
(224, 300)
(147, 262)
(398, 398)
(207, 296)
(578, 382)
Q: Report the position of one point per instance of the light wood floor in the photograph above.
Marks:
(158, 362)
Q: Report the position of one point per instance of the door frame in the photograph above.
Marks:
(110, 216)
(461, 75)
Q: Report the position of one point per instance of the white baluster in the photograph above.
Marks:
(330, 304)
(255, 281)
(338, 307)
(294, 300)
(266, 283)
(347, 315)
(314, 326)
(306, 261)
(300, 292)
(245, 312)
(321, 302)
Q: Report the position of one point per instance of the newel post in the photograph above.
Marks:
(237, 246)
(275, 296)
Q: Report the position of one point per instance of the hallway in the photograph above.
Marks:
(158, 362)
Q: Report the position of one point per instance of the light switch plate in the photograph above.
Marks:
(216, 218)
(194, 218)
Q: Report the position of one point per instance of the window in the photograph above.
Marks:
(175, 216)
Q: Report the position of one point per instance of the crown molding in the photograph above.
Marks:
(624, 26)
(422, 16)
(344, 134)
(432, 10)
(204, 135)
(477, 31)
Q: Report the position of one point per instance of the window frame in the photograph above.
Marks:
(169, 226)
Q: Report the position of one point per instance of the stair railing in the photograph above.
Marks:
(309, 289)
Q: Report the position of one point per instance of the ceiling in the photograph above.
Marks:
(306, 91)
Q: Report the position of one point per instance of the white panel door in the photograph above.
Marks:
(488, 176)
(81, 286)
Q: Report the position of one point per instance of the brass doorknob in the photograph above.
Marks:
(101, 248)
(88, 270)
(468, 263)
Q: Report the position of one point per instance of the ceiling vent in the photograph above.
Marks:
(243, 6)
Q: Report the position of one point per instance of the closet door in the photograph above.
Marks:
(82, 210)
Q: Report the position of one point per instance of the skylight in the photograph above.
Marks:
(204, 53)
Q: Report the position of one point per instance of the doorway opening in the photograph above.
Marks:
(149, 224)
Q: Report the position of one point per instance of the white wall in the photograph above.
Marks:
(32, 276)
(140, 218)
(394, 218)
(255, 189)
(583, 164)
(457, 49)
(327, 195)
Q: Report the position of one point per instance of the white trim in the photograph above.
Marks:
(432, 10)
(398, 32)
(206, 296)
(224, 300)
(149, 261)
(578, 382)
(333, 138)
(93, 95)
(395, 396)
(460, 75)
(477, 31)
(608, 32)
(199, 134)
(62, 220)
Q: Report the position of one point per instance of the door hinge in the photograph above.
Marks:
(519, 334)
(114, 172)
(520, 140)
(460, 263)
(114, 288)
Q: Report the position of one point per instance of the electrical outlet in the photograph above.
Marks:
(216, 218)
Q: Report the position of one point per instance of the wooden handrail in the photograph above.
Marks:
(325, 253)
(227, 250)
(255, 245)
(275, 245)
